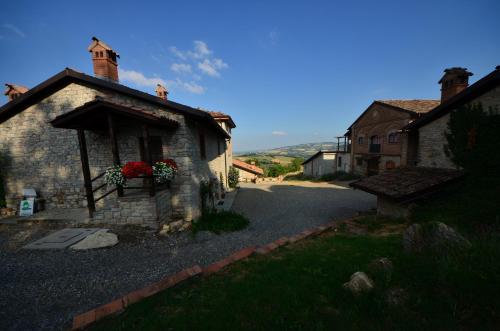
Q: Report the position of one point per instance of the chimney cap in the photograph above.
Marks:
(96, 41)
(459, 71)
(19, 88)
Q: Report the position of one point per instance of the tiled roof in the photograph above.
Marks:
(218, 114)
(416, 106)
(248, 167)
(403, 184)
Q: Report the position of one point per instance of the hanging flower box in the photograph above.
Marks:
(136, 169)
(164, 171)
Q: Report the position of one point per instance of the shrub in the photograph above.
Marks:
(3, 203)
(472, 136)
(233, 177)
(220, 221)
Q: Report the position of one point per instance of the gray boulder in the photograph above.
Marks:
(99, 239)
(359, 283)
(381, 269)
(396, 297)
(437, 237)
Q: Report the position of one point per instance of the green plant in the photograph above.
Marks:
(233, 177)
(220, 221)
(472, 139)
(207, 196)
(3, 202)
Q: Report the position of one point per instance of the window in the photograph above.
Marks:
(360, 140)
(390, 165)
(340, 162)
(101, 54)
(374, 140)
(393, 138)
(96, 54)
(203, 149)
(155, 146)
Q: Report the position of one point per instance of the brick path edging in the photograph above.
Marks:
(84, 320)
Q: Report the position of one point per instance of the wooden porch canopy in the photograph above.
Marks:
(94, 116)
(101, 115)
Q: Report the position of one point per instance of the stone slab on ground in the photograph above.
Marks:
(98, 239)
(227, 203)
(62, 238)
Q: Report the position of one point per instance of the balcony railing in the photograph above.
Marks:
(374, 148)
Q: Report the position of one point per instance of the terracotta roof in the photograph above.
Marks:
(221, 116)
(417, 106)
(248, 167)
(68, 76)
(18, 88)
(405, 184)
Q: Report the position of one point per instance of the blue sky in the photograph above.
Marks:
(288, 72)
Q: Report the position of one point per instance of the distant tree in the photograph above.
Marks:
(472, 139)
(233, 177)
(253, 159)
(296, 164)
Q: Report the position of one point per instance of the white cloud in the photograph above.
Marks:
(177, 52)
(279, 133)
(14, 29)
(180, 67)
(201, 49)
(139, 79)
(211, 67)
(274, 36)
(192, 87)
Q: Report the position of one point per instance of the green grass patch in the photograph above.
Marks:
(220, 221)
(301, 289)
(470, 205)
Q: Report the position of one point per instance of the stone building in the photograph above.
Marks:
(377, 143)
(430, 130)
(327, 162)
(247, 172)
(60, 136)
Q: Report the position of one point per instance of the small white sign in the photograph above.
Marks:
(26, 207)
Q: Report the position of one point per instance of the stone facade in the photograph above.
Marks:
(432, 137)
(48, 159)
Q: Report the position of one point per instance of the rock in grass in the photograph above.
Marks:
(381, 269)
(396, 297)
(359, 283)
(436, 237)
(99, 239)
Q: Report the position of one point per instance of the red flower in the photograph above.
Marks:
(135, 169)
(171, 163)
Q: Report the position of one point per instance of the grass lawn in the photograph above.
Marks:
(220, 221)
(299, 287)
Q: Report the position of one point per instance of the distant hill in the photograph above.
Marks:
(302, 150)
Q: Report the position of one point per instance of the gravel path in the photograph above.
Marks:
(43, 290)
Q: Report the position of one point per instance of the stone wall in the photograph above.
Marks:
(432, 137)
(138, 209)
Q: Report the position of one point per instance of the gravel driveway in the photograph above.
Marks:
(43, 290)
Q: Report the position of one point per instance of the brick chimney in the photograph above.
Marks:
(453, 82)
(14, 91)
(104, 59)
(161, 92)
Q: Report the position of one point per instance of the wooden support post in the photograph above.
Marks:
(338, 144)
(149, 157)
(114, 148)
(86, 172)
